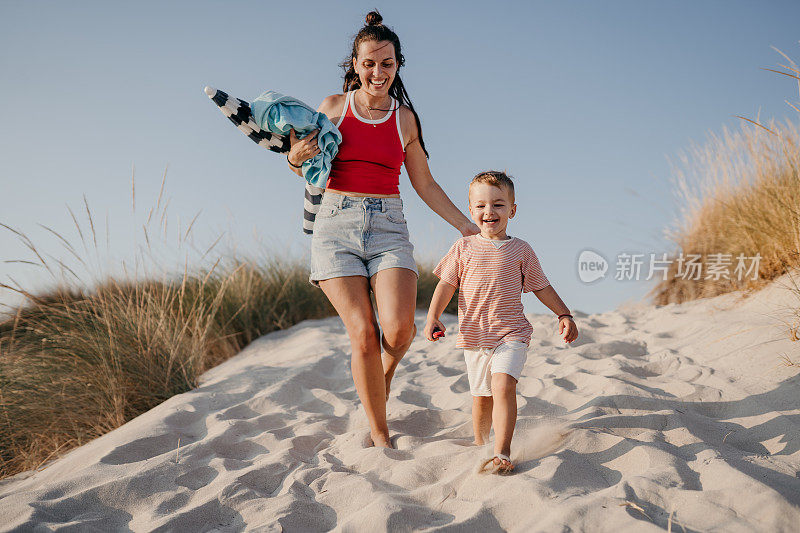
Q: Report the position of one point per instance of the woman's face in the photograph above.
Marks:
(376, 66)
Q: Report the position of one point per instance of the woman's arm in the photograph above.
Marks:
(421, 179)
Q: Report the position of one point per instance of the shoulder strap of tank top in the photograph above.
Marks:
(396, 106)
(345, 108)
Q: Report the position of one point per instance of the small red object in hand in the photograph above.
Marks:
(437, 333)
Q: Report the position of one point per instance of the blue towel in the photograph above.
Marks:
(278, 113)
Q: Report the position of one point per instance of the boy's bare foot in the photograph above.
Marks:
(501, 464)
(484, 437)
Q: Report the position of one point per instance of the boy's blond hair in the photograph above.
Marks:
(496, 178)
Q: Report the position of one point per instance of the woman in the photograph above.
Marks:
(360, 241)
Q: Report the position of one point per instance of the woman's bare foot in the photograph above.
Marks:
(381, 441)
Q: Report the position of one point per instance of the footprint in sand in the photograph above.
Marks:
(602, 350)
(197, 478)
(146, 448)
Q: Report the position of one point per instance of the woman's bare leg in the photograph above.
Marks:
(350, 297)
(396, 297)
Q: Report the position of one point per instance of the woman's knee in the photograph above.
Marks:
(364, 337)
(399, 332)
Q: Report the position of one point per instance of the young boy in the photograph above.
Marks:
(491, 271)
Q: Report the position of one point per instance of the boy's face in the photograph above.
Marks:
(490, 208)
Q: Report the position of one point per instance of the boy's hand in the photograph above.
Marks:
(567, 329)
(433, 323)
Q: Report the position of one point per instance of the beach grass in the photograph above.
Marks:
(77, 364)
(82, 358)
(740, 209)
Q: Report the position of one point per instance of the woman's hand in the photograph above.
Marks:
(470, 228)
(302, 149)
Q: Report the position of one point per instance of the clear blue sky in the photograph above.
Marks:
(582, 102)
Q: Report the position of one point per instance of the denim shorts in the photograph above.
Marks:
(359, 236)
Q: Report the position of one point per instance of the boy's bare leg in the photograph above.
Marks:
(504, 415)
(481, 418)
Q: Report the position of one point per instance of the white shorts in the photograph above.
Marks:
(508, 358)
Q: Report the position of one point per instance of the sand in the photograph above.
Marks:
(677, 417)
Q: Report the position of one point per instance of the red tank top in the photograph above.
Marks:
(370, 154)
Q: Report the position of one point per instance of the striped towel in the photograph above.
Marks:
(240, 113)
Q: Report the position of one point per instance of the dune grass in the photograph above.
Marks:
(76, 364)
(740, 198)
(83, 358)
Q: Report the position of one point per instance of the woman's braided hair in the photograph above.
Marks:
(374, 30)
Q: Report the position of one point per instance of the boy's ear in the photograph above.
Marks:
(513, 211)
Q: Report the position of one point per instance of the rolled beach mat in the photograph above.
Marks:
(238, 112)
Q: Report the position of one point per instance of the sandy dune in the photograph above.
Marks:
(679, 416)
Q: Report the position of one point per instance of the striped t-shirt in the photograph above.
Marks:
(491, 281)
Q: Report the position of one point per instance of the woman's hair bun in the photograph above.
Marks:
(374, 18)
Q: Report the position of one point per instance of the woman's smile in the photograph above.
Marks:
(376, 66)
